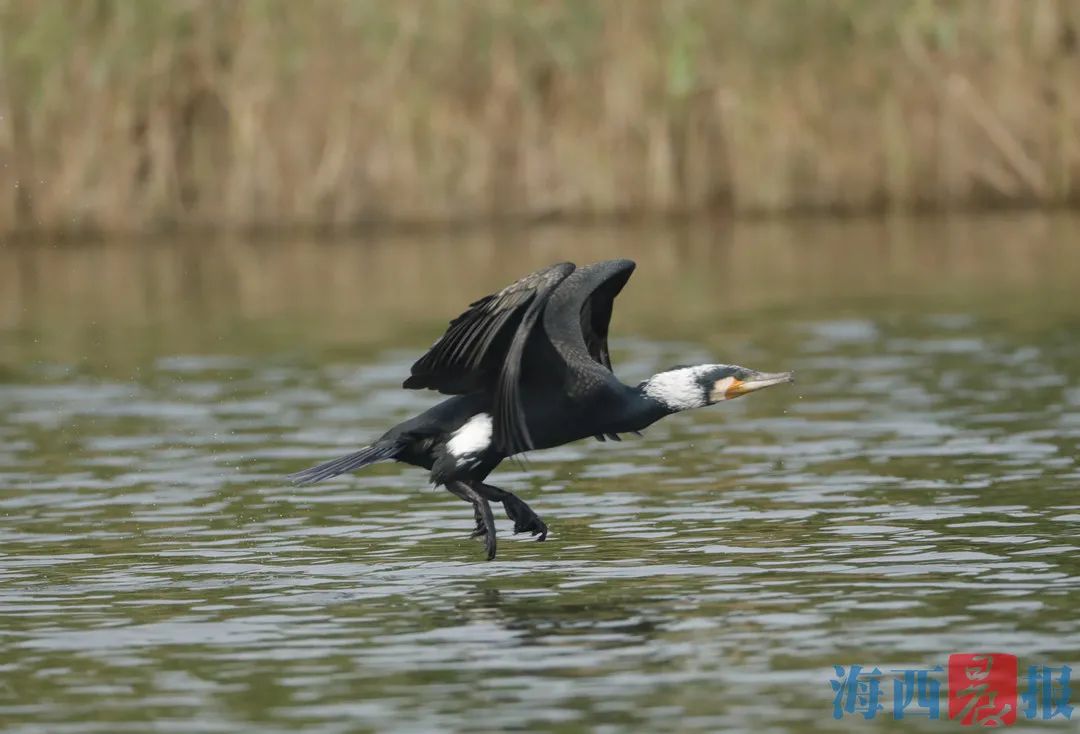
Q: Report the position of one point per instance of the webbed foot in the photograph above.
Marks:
(485, 521)
(525, 520)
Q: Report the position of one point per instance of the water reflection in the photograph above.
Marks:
(134, 301)
(913, 495)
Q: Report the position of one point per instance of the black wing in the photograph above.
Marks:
(596, 312)
(579, 314)
(482, 348)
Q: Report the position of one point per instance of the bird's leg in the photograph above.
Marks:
(481, 528)
(485, 521)
(525, 520)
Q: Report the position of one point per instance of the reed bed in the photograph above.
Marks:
(127, 117)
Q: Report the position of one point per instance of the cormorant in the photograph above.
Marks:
(529, 369)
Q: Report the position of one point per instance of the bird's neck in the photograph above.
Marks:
(665, 393)
(640, 410)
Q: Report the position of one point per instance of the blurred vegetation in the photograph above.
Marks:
(119, 115)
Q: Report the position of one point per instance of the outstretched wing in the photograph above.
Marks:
(482, 348)
(611, 276)
(578, 317)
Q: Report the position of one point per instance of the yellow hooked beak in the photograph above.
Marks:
(731, 387)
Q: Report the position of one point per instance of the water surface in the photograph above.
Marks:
(915, 494)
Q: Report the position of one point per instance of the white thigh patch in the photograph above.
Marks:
(472, 438)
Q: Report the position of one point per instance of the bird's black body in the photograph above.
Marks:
(552, 420)
(529, 369)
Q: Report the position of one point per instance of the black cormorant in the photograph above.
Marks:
(529, 369)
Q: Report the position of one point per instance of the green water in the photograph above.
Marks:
(914, 494)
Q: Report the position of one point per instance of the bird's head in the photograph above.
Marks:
(682, 388)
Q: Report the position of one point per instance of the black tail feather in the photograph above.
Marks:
(341, 465)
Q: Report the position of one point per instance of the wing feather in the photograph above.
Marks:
(578, 316)
(471, 354)
(482, 351)
(511, 431)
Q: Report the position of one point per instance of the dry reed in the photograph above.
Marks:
(122, 116)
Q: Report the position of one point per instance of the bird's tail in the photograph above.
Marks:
(379, 451)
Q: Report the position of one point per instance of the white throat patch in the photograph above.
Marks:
(472, 438)
(679, 389)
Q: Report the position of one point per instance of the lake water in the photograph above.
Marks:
(915, 494)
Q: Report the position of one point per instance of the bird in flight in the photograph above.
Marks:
(528, 368)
